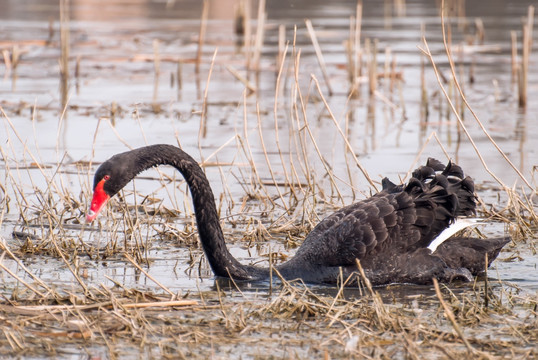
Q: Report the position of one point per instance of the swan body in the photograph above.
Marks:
(394, 233)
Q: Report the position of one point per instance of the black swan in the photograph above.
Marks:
(391, 233)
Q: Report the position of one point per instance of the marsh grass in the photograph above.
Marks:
(281, 200)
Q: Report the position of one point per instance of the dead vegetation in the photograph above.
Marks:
(285, 188)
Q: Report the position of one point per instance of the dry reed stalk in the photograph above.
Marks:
(51, 31)
(424, 103)
(64, 52)
(202, 132)
(77, 74)
(480, 32)
(319, 55)
(201, 35)
(133, 262)
(7, 62)
(282, 47)
(348, 46)
(11, 64)
(19, 279)
(514, 62)
(179, 77)
(239, 19)
(394, 76)
(285, 171)
(157, 68)
(343, 136)
(530, 26)
(260, 31)
(451, 62)
(349, 115)
(251, 88)
(73, 271)
(526, 51)
(299, 138)
(372, 68)
(387, 14)
(247, 149)
(400, 7)
(328, 170)
(303, 136)
(450, 315)
(219, 149)
(357, 65)
(386, 68)
(268, 162)
(415, 161)
(36, 161)
(248, 32)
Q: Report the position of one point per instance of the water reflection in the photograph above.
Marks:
(126, 55)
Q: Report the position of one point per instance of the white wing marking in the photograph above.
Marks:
(458, 225)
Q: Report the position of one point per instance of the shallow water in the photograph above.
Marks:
(115, 51)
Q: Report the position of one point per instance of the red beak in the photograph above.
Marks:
(100, 198)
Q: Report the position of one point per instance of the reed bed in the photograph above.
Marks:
(287, 182)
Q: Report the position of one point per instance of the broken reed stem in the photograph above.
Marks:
(526, 51)
(201, 36)
(52, 309)
(319, 55)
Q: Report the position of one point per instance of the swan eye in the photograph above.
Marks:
(106, 177)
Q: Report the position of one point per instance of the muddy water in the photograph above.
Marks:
(116, 101)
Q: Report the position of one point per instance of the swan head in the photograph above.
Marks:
(109, 179)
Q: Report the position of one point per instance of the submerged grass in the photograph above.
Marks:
(281, 201)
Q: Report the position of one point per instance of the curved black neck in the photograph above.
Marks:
(207, 219)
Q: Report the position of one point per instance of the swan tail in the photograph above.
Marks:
(453, 180)
(441, 194)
